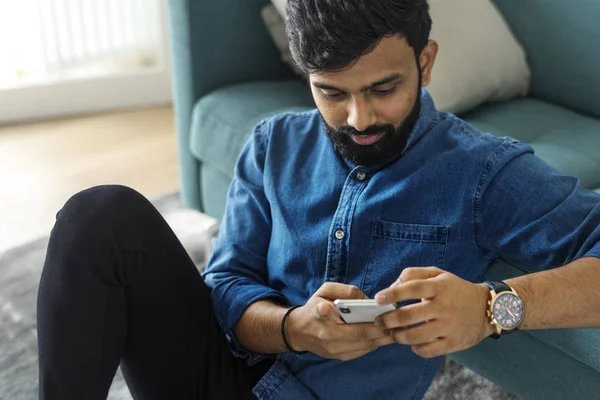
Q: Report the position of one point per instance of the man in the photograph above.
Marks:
(374, 195)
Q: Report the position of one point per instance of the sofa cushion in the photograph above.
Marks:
(223, 120)
(582, 344)
(530, 369)
(560, 39)
(566, 140)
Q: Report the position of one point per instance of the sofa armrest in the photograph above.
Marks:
(214, 43)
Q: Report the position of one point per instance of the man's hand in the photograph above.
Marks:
(452, 312)
(318, 328)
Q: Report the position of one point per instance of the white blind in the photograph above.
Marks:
(62, 39)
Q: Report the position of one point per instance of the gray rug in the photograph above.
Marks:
(20, 270)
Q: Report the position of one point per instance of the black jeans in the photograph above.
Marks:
(118, 287)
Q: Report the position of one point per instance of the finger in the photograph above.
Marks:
(351, 355)
(408, 315)
(434, 349)
(411, 290)
(358, 332)
(413, 273)
(385, 341)
(366, 345)
(334, 291)
(348, 347)
(356, 350)
(421, 334)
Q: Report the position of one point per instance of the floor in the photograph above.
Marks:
(42, 164)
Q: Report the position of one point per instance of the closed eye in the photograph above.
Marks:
(333, 96)
(383, 93)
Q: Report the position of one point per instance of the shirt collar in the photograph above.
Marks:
(428, 117)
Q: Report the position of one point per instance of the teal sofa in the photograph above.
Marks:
(228, 76)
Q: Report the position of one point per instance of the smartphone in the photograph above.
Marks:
(361, 311)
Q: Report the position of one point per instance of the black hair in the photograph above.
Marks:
(331, 35)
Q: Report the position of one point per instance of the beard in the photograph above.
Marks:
(387, 149)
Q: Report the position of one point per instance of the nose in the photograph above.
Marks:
(360, 115)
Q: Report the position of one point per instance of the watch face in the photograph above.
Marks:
(507, 311)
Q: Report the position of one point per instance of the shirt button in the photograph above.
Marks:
(339, 234)
(361, 176)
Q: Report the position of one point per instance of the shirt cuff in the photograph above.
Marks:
(594, 251)
(228, 317)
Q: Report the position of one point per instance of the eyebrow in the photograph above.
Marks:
(383, 81)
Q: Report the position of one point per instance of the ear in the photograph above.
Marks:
(427, 60)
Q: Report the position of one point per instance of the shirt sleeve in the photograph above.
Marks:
(237, 271)
(527, 211)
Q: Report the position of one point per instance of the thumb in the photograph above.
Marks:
(334, 291)
(325, 310)
(415, 273)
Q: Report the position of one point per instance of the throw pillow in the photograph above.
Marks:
(280, 5)
(276, 26)
(479, 61)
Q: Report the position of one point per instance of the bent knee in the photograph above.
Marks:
(107, 203)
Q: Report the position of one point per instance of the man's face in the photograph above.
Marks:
(370, 109)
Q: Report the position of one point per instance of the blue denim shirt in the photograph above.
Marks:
(457, 199)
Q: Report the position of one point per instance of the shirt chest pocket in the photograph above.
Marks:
(394, 246)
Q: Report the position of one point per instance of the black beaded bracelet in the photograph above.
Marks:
(285, 341)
